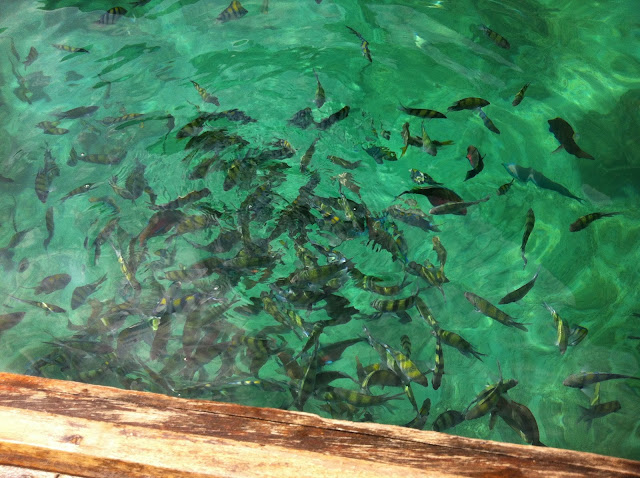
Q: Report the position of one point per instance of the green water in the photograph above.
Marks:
(582, 60)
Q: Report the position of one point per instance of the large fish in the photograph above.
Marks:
(524, 174)
(564, 134)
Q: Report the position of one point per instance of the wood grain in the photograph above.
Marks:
(89, 430)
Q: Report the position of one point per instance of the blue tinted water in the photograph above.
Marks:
(581, 59)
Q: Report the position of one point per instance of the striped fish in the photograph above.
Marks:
(80, 294)
(31, 57)
(55, 131)
(421, 112)
(496, 37)
(234, 11)
(111, 16)
(109, 120)
(50, 227)
(206, 97)
(364, 45)
(70, 49)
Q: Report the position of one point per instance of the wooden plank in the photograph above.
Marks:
(18, 472)
(89, 430)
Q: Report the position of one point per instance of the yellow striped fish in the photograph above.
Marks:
(31, 57)
(70, 49)
(206, 97)
(111, 16)
(234, 11)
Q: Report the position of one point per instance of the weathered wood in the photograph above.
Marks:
(90, 430)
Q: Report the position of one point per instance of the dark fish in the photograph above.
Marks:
(182, 201)
(333, 118)
(438, 370)
(234, 11)
(520, 95)
(455, 207)
(420, 177)
(562, 329)
(43, 305)
(79, 190)
(75, 113)
(584, 379)
(50, 227)
(565, 135)
(487, 122)
(497, 38)
(584, 221)
(528, 227)
(422, 112)
(381, 153)
(448, 419)
(436, 194)
(306, 157)
(364, 45)
(31, 57)
(468, 104)
(53, 283)
(80, 294)
(520, 292)
(70, 49)
(56, 131)
(525, 174)
(206, 97)
(476, 161)
(10, 320)
(111, 16)
(110, 120)
(320, 95)
(302, 119)
(343, 162)
(504, 189)
(599, 410)
(23, 265)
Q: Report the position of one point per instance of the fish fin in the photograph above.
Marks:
(558, 149)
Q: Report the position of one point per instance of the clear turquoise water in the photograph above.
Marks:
(582, 61)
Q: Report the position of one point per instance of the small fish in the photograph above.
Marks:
(31, 57)
(70, 49)
(302, 119)
(182, 201)
(504, 189)
(320, 95)
(10, 320)
(524, 174)
(50, 227)
(206, 97)
(448, 419)
(23, 265)
(562, 329)
(381, 153)
(520, 292)
(440, 251)
(584, 379)
(79, 190)
(565, 135)
(456, 341)
(497, 38)
(139, 3)
(476, 161)
(438, 370)
(528, 227)
(111, 16)
(427, 144)
(406, 135)
(14, 51)
(395, 304)
(490, 310)
(520, 95)
(455, 207)
(80, 294)
(346, 180)
(420, 177)
(265, 10)
(599, 410)
(343, 162)
(468, 104)
(584, 221)
(79, 112)
(47, 124)
(110, 120)
(306, 157)
(53, 283)
(233, 12)
(56, 131)
(487, 122)
(341, 114)
(421, 112)
(43, 305)
(364, 45)
(577, 335)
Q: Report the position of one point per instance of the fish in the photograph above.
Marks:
(111, 120)
(394, 305)
(233, 12)
(103, 236)
(53, 283)
(364, 45)
(265, 6)
(504, 189)
(495, 37)
(206, 97)
(490, 310)
(79, 190)
(565, 135)
(23, 265)
(470, 103)
(346, 180)
(520, 419)
(306, 157)
(524, 174)
(75, 113)
(56, 131)
(584, 221)
(302, 119)
(48, 308)
(114, 157)
(448, 419)
(599, 410)
(357, 399)
(50, 227)
(438, 370)
(421, 418)
(562, 329)
(427, 144)
(8, 321)
(520, 95)
(182, 201)
(405, 137)
(128, 273)
(80, 294)
(457, 342)
(111, 16)
(70, 49)
(577, 335)
(341, 114)
(440, 251)
(343, 162)
(455, 207)
(528, 227)
(380, 153)
(14, 51)
(420, 177)
(320, 95)
(476, 161)
(31, 57)
(520, 292)
(421, 112)
(487, 121)
(584, 379)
